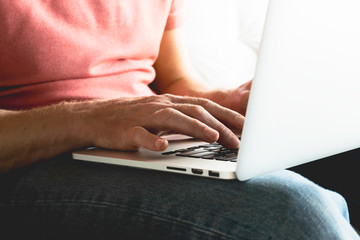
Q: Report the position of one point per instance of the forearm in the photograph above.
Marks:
(34, 135)
(175, 73)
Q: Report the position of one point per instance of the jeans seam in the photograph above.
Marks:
(107, 204)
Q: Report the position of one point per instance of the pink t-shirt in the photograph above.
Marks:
(54, 50)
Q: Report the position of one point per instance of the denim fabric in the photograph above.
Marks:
(67, 199)
(339, 173)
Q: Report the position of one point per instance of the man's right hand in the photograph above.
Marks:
(132, 123)
(121, 124)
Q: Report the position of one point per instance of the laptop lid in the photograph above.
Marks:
(305, 98)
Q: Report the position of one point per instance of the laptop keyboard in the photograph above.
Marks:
(210, 151)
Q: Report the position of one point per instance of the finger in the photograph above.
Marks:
(226, 136)
(170, 119)
(245, 100)
(140, 137)
(229, 117)
(247, 85)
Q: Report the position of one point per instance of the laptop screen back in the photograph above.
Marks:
(305, 98)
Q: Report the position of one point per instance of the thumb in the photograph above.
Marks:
(140, 137)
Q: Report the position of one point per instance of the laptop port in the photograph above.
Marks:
(197, 171)
(214, 174)
(177, 169)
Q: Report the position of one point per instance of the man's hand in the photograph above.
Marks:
(235, 99)
(176, 75)
(128, 124)
(122, 124)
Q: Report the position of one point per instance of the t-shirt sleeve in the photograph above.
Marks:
(177, 14)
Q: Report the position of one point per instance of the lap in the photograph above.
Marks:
(66, 199)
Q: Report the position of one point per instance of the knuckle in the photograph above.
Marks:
(205, 103)
(129, 140)
(152, 98)
(224, 130)
(198, 110)
(197, 125)
(162, 100)
(135, 131)
(244, 93)
(168, 111)
(165, 113)
(168, 95)
(202, 127)
(167, 98)
(153, 105)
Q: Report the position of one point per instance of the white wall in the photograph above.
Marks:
(223, 38)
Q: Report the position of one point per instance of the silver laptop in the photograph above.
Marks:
(304, 103)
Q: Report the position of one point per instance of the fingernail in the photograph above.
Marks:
(211, 134)
(240, 121)
(159, 143)
(234, 142)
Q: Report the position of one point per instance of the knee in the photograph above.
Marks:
(300, 206)
(298, 194)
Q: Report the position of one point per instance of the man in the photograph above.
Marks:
(76, 74)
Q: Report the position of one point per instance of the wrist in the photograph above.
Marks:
(41, 133)
(79, 119)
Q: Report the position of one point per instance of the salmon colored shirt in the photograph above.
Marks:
(59, 50)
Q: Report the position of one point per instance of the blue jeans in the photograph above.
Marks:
(66, 199)
(339, 173)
